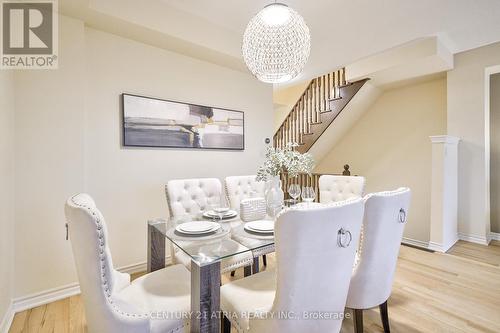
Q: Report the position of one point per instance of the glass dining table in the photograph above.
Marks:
(206, 253)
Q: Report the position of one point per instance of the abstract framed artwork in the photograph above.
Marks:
(153, 122)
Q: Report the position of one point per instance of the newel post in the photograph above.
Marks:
(346, 171)
(444, 193)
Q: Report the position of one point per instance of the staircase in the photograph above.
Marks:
(320, 104)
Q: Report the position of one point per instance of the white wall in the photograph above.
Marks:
(466, 120)
(390, 146)
(120, 177)
(495, 152)
(284, 100)
(49, 163)
(6, 190)
(68, 141)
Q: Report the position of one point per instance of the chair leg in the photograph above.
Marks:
(384, 314)
(232, 273)
(264, 260)
(255, 266)
(358, 320)
(226, 325)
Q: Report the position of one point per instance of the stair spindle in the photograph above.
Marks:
(325, 99)
(295, 125)
(287, 130)
(334, 85)
(304, 111)
(320, 95)
(308, 110)
(325, 93)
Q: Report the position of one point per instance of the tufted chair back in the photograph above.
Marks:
(313, 272)
(192, 196)
(243, 187)
(383, 225)
(338, 188)
(99, 281)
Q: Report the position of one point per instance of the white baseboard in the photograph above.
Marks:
(495, 236)
(7, 319)
(44, 297)
(473, 238)
(436, 247)
(56, 294)
(415, 242)
(134, 268)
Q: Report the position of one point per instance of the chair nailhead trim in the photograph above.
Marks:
(264, 250)
(103, 266)
(237, 264)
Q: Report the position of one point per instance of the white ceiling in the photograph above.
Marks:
(342, 31)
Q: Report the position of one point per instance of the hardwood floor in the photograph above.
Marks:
(486, 254)
(455, 292)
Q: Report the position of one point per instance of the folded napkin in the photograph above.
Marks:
(252, 209)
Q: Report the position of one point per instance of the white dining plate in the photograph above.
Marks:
(262, 226)
(228, 214)
(202, 233)
(197, 227)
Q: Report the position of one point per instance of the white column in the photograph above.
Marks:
(444, 195)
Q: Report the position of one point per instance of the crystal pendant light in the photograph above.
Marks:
(276, 44)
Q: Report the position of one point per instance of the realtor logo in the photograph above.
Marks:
(29, 35)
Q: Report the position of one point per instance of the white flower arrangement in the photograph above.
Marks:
(285, 160)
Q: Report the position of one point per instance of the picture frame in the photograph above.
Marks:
(160, 123)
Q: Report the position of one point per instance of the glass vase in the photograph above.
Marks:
(274, 196)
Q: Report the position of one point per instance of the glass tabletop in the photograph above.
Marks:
(230, 238)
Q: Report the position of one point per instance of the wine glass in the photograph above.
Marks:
(308, 194)
(294, 191)
(213, 209)
(221, 207)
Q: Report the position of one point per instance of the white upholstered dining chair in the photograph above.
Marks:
(373, 275)
(191, 197)
(243, 187)
(112, 303)
(315, 249)
(337, 188)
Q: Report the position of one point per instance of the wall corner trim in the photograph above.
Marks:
(442, 247)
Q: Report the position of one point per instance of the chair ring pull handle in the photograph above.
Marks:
(341, 235)
(402, 216)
